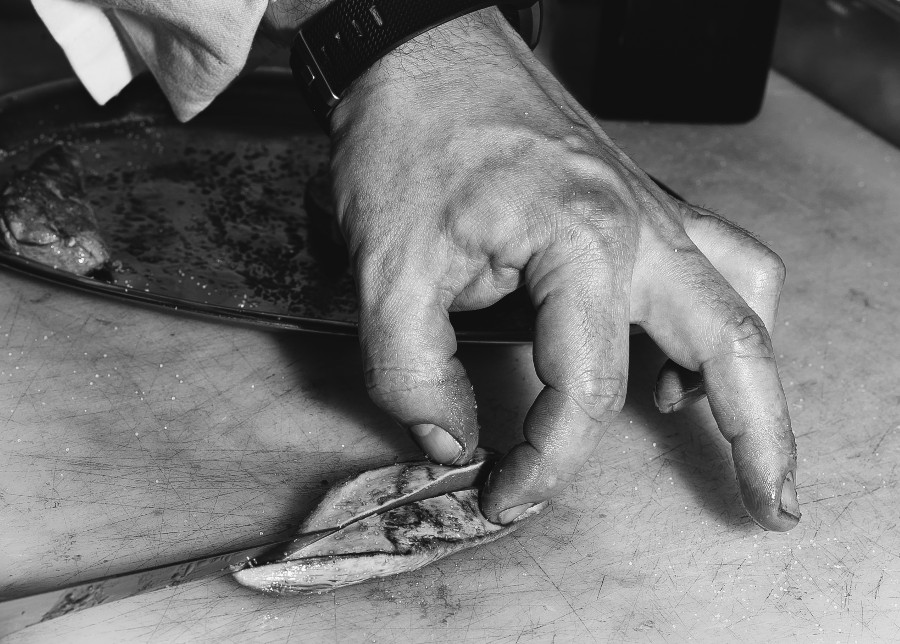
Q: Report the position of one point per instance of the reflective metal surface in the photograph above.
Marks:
(210, 217)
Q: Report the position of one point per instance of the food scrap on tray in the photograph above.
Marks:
(45, 217)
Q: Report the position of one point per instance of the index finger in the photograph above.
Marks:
(581, 355)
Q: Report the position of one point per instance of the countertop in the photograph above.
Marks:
(132, 437)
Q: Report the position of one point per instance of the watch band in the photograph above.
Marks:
(339, 43)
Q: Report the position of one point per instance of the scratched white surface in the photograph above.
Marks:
(130, 437)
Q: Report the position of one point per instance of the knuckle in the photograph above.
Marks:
(596, 217)
(598, 394)
(748, 338)
(383, 277)
(687, 213)
(580, 138)
(604, 197)
(593, 239)
(583, 236)
(555, 477)
(389, 385)
(396, 387)
(769, 272)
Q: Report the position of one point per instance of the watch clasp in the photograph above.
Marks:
(310, 78)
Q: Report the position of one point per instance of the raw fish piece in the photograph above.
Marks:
(400, 540)
(382, 542)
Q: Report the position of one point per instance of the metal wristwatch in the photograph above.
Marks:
(338, 44)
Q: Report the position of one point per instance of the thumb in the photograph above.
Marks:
(411, 370)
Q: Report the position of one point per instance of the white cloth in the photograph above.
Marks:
(194, 48)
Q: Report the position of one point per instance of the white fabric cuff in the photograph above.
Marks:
(193, 48)
(99, 57)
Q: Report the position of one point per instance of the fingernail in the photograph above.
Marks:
(511, 514)
(437, 443)
(688, 397)
(789, 503)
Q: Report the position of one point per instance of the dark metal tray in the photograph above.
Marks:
(210, 217)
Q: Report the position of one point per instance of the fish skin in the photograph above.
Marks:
(374, 541)
(400, 540)
(45, 217)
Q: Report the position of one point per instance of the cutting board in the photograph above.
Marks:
(131, 437)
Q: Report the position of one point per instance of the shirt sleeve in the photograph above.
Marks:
(194, 48)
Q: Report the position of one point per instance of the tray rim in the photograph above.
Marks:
(60, 88)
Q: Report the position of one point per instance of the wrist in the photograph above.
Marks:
(436, 64)
(283, 18)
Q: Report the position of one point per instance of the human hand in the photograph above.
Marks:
(462, 170)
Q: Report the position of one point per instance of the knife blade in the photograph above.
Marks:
(21, 612)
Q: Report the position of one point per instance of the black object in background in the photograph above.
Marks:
(666, 60)
(846, 52)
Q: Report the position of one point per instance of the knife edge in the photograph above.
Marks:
(21, 612)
